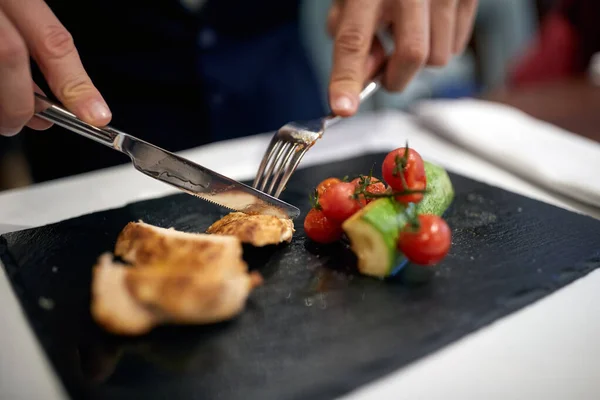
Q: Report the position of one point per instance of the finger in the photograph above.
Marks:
(333, 17)
(16, 97)
(375, 60)
(377, 52)
(443, 24)
(465, 18)
(37, 123)
(52, 47)
(352, 43)
(411, 36)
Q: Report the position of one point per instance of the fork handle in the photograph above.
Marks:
(58, 115)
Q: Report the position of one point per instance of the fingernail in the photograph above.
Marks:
(344, 103)
(8, 132)
(98, 111)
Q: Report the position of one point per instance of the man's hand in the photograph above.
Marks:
(28, 28)
(425, 32)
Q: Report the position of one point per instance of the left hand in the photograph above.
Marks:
(426, 32)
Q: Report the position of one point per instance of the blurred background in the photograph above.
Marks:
(510, 37)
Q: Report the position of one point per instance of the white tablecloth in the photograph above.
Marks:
(548, 350)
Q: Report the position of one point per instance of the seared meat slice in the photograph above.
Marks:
(143, 244)
(113, 306)
(258, 230)
(176, 277)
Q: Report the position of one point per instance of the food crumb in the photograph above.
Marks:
(46, 303)
(55, 269)
(472, 258)
(519, 209)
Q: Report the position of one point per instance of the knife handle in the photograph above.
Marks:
(53, 112)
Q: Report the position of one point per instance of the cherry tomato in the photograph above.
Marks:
(338, 203)
(326, 184)
(430, 244)
(373, 181)
(376, 187)
(414, 197)
(413, 174)
(321, 229)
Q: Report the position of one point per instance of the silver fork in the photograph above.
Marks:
(290, 143)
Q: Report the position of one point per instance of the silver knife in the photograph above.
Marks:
(170, 168)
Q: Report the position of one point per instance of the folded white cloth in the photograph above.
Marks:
(542, 153)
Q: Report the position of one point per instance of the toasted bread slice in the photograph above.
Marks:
(176, 277)
(258, 230)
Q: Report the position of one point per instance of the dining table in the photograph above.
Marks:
(547, 350)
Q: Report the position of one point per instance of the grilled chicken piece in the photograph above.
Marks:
(176, 277)
(258, 230)
(144, 244)
(113, 306)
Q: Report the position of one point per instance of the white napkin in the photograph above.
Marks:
(542, 153)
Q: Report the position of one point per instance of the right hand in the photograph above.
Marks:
(30, 28)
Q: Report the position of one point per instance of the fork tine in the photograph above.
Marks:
(286, 142)
(273, 147)
(276, 175)
(299, 153)
(272, 161)
(274, 167)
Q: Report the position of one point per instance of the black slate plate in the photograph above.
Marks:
(315, 330)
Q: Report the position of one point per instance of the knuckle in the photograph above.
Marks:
(12, 48)
(57, 42)
(352, 40)
(413, 53)
(75, 87)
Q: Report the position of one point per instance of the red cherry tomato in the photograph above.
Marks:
(338, 203)
(430, 244)
(326, 184)
(321, 229)
(413, 174)
(372, 181)
(414, 197)
(375, 187)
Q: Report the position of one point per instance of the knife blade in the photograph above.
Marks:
(170, 168)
